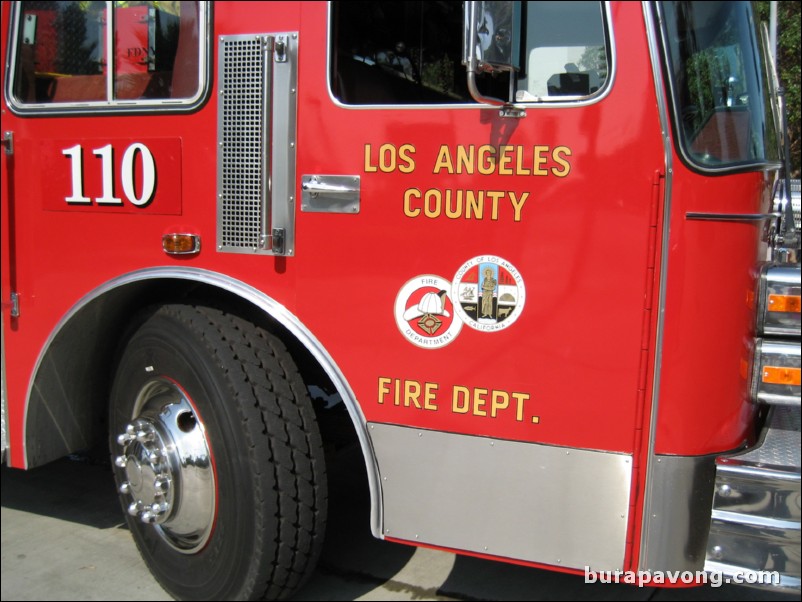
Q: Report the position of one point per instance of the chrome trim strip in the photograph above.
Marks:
(284, 132)
(527, 105)
(730, 217)
(272, 308)
(111, 59)
(649, 545)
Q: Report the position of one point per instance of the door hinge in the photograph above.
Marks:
(278, 241)
(8, 142)
(14, 305)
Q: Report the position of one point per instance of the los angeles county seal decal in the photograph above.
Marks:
(489, 293)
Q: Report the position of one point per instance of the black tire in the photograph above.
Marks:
(218, 457)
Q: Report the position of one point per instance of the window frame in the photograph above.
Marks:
(116, 106)
(539, 103)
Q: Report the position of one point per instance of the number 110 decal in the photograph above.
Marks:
(112, 175)
(137, 158)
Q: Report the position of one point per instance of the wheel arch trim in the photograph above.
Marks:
(269, 306)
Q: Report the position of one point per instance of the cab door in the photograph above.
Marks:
(101, 100)
(487, 294)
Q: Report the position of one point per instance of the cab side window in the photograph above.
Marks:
(397, 53)
(62, 52)
(566, 51)
(405, 53)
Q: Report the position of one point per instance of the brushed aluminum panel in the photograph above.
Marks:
(680, 490)
(524, 501)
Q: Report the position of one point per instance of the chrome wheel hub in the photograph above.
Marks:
(165, 468)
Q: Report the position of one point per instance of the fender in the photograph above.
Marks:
(271, 308)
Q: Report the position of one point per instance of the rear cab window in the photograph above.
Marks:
(70, 56)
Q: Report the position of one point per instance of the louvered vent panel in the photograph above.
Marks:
(242, 146)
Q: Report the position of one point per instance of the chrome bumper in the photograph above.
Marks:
(756, 507)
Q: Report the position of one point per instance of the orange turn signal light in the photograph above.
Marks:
(776, 375)
(181, 244)
(787, 303)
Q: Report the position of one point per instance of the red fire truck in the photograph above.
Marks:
(539, 255)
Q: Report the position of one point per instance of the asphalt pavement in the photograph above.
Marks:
(64, 538)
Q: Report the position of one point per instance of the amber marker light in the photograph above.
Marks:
(181, 244)
(777, 375)
(785, 303)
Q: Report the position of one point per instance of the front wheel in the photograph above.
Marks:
(217, 456)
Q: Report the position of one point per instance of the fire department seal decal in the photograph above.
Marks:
(424, 312)
(490, 293)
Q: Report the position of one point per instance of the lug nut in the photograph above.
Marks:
(120, 461)
(125, 487)
(124, 439)
(134, 508)
(144, 435)
(162, 485)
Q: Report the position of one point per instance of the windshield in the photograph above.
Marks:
(718, 83)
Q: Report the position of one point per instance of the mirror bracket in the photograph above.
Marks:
(490, 45)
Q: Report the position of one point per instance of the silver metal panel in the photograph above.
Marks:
(330, 194)
(285, 94)
(531, 502)
(680, 500)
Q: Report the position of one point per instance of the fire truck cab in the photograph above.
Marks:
(538, 258)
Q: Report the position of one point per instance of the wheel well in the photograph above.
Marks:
(67, 411)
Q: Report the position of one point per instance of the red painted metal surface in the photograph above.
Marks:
(703, 406)
(574, 351)
(568, 207)
(569, 221)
